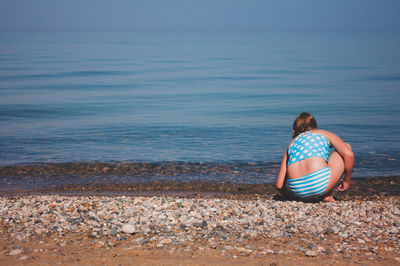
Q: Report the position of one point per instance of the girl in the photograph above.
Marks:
(307, 167)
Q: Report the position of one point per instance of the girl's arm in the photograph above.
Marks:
(347, 154)
(282, 172)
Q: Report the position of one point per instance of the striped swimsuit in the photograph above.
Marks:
(304, 146)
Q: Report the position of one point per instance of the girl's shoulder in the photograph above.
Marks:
(321, 132)
(325, 133)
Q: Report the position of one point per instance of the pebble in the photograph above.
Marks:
(218, 222)
(311, 253)
(15, 252)
(113, 231)
(128, 229)
(166, 241)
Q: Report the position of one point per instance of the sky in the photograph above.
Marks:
(200, 15)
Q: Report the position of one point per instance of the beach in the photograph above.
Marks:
(162, 148)
(152, 132)
(188, 227)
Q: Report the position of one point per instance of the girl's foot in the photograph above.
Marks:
(329, 199)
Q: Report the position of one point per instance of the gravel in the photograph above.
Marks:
(190, 224)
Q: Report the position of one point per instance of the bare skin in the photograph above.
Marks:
(340, 162)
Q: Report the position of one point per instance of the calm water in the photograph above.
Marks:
(230, 97)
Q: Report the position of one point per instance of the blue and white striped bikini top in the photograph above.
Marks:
(307, 145)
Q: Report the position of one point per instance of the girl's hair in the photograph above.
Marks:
(303, 122)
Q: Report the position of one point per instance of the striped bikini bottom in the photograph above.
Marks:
(311, 185)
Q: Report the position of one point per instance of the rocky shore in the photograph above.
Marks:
(231, 226)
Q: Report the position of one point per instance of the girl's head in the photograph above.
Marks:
(303, 122)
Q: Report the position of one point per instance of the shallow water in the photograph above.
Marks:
(196, 97)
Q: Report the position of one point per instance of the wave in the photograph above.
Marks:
(70, 74)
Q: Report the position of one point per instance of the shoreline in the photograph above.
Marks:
(41, 176)
(360, 188)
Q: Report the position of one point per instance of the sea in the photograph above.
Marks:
(186, 100)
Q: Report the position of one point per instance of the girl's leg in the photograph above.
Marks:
(336, 165)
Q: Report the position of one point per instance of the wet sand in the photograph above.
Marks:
(361, 188)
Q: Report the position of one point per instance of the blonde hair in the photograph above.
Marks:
(303, 122)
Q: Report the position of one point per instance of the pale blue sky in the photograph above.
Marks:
(201, 15)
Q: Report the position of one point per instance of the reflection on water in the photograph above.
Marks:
(191, 98)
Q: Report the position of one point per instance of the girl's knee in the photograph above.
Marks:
(348, 145)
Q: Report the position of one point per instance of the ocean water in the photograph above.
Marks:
(209, 98)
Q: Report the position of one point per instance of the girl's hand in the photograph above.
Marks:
(344, 186)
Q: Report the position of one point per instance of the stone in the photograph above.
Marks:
(165, 241)
(311, 253)
(128, 229)
(15, 252)
(329, 230)
(113, 231)
(218, 222)
(361, 241)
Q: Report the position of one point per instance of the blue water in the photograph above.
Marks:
(196, 97)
